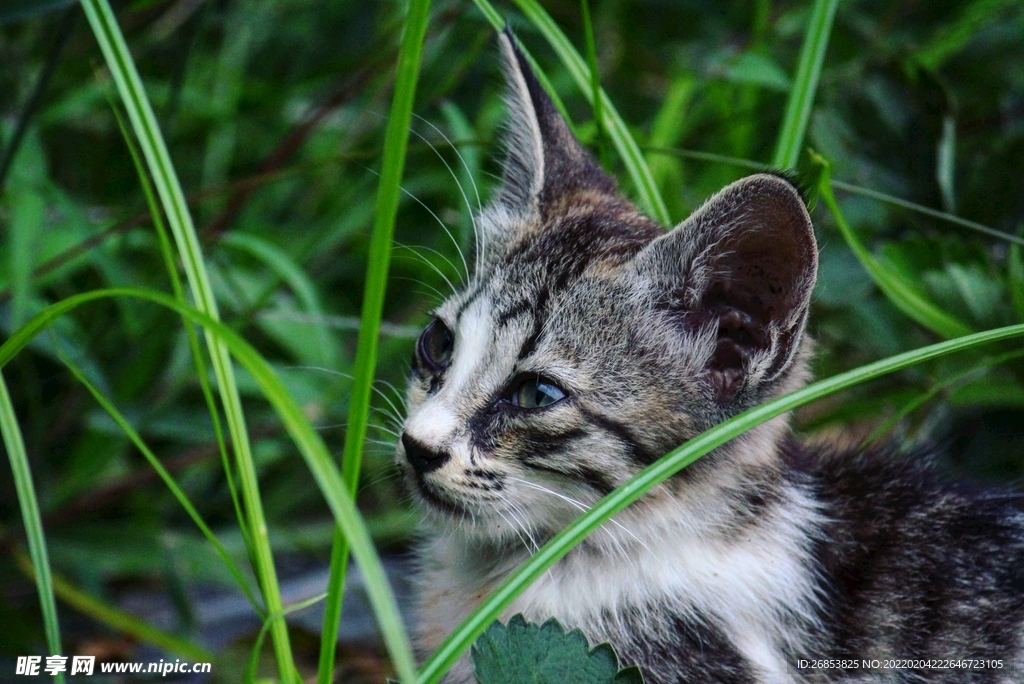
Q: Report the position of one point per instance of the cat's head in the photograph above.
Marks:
(590, 341)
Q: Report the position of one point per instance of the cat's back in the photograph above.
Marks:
(913, 565)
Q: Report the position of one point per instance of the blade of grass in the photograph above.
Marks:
(847, 187)
(254, 657)
(595, 82)
(302, 433)
(927, 211)
(178, 493)
(15, 445)
(904, 295)
(396, 141)
(933, 391)
(613, 124)
(140, 113)
(167, 252)
(665, 467)
(116, 618)
(801, 95)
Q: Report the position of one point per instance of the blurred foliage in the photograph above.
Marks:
(274, 114)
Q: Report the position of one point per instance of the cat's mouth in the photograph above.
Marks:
(437, 499)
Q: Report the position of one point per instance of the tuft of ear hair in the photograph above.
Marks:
(544, 161)
(743, 266)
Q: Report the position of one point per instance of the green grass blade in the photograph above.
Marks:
(595, 81)
(15, 445)
(178, 493)
(665, 467)
(396, 140)
(927, 211)
(167, 252)
(154, 149)
(254, 657)
(904, 295)
(117, 618)
(636, 165)
(302, 433)
(936, 389)
(801, 95)
(841, 185)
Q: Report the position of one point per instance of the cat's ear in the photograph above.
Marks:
(739, 273)
(544, 162)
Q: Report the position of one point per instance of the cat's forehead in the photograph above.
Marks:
(588, 236)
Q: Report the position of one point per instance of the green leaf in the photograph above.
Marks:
(26, 225)
(758, 69)
(320, 343)
(527, 653)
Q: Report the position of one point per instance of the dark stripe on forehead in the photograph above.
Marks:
(535, 302)
(472, 297)
(636, 451)
(539, 316)
(521, 307)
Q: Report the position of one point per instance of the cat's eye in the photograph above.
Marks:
(434, 348)
(536, 392)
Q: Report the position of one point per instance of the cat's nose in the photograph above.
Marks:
(422, 458)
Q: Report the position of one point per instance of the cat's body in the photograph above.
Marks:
(588, 344)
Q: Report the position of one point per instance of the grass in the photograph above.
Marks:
(790, 142)
(15, 445)
(287, 236)
(396, 140)
(143, 120)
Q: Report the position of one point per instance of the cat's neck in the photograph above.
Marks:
(741, 561)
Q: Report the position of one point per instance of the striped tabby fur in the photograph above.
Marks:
(762, 552)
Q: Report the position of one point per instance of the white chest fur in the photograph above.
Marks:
(755, 585)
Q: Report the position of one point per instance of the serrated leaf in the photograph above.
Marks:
(527, 653)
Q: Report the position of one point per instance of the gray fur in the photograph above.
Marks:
(762, 552)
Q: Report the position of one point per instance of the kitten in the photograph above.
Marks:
(589, 343)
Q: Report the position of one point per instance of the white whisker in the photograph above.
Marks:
(426, 261)
(579, 505)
